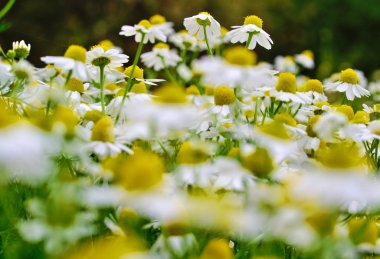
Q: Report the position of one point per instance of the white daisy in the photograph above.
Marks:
(110, 58)
(143, 31)
(159, 23)
(251, 32)
(348, 83)
(306, 59)
(73, 60)
(160, 57)
(201, 23)
(184, 40)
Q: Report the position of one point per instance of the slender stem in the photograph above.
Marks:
(135, 61)
(101, 86)
(256, 110)
(167, 71)
(278, 108)
(207, 43)
(298, 109)
(130, 79)
(250, 36)
(68, 77)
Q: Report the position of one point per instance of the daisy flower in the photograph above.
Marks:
(250, 32)
(144, 31)
(306, 59)
(110, 58)
(184, 40)
(348, 83)
(73, 60)
(285, 64)
(160, 57)
(202, 24)
(159, 23)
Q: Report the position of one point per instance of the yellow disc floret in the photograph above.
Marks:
(349, 76)
(285, 118)
(346, 110)
(192, 90)
(139, 88)
(157, 19)
(161, 45)
(217, 249)
(286, 82)
(224, 95)
(145, 23)
(137, 73)
(75, 84)
(361, 117)
(240, 56)
(93, 115)
(259, 162)
(140, 171)
(103, 130)
(308, 53)
(77, 53)
(190, 154)
(275, 129)
(255, 20)
(339, 155)
(170, 94)
(106, 44)
(314, 85)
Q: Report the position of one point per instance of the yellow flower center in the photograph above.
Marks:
(206, 13)
(77, 53)
(171, 94)
(157, 19)
(140, 171)
(339, 155)
(255, 20)
(209, 90)
(223, 30)
(111, 87)
(361, 117)
(259, 162)
(349, 76)
(285, 118)
(275, 129)
(310, 125)
(286, 82)
(346, 110)
(145, 23)
(217, 249)
(75, 84)
(67, 117)
(139, 88)
(308, 53)
(138, 73)
(249, 114)
(240, 56)
(224, 95)
(188, 154)
(314, 85)
(234, 153)
(106, 44)
(7, 116)
(93, 115)
(161, 46)
(192, 90)
(103, 130)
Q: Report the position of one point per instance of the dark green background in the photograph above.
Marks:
(341, 32)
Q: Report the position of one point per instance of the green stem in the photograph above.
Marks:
(130, 79)
(256, 110)
(207, 43)
(101, 86)
(250, 36)
(68, 77)
(167, 71)
(278, 108)
(298, 109)
(6, 8)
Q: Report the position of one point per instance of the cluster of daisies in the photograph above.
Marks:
(192, 150)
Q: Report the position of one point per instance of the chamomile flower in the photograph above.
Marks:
(21, 49)
(251, 32)
(159, 23)
(306, 59)
(160, 57)
(73, 60)
(200, 24)
(143, 31)
(111, 58)
(184, 40)
(348, 83)
(285, 64)
(138, 75)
